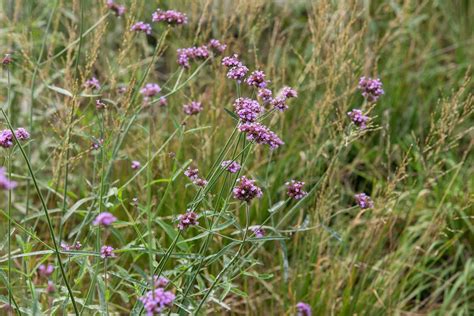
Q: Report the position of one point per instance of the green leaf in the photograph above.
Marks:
(61, 91)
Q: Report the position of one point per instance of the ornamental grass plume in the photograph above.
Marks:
(246, 190)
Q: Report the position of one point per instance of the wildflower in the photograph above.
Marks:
(50, 289)
(185, 55)
(265, 95)
(261, 134)
(247, 109)
(6, 138)
(200, 182)
(231, 166)
(119, 10)
(104, 219)
(150, 90)
(157, 300)
(187, 219)
(160, 282)
(294, 189)
(192, 108)
(371, 88)
(217, 45)
(99, 104)
(92, 83)
(135, 165)
(141, 27)
(288, 92)
(45, 271)
(162, 102)
(238, 72)
(122, 89)
(171, 17)
(279, 103)
(258, 231)
(231, 61)
(358, 118)
(303, 309)
(193, 175)
(5, 183)
(77, 245)
(364, 201)
(97, 144)
(257, 79)
(7, 59)
(246, 189)
(107, 252)
(22, 134)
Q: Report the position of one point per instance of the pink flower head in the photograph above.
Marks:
(247, 109)
(141, 27)
(77, 245)
(119, 10)
(303, 309)
(150, 90)
(5, 183)
(231, 61)
(157, 300)
(261, 134)
(279, 103)
(192, 108)
(45, 271)
(258, 231)
(231, 166)
(364, 201)
(246, 190)
(50, 289)
(22, 134)
(7, 59)
(160, 282)
(107, 252)
(265, 94)
(288, 92)
(187, 219)
(191, 173)
(295, 189)
(92, 83)
(136, 165)
(171, 17)
(162, 102)
(358, 118)
(6, 138)
(238, 72)
(97, 144)
(217, 46)
(185, 55)
(257, 79)
(104, 219)
(99, 104)
(371, 88)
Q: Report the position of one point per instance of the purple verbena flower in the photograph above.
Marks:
(258, 231)
(162, 102)
(231, 61)
(217, 46)
(200, 182)
(122, 89)
(303, 309)
(119, 10)
(141, 27)
(247, 109)
(358, 118)
(6, 138)
(192, 108)
(97, 144)
(99, 104)
(92, 83)
(7, 59)
(364, 201)
(261, 134)
(157, 300)
(104, 219)
(231, 166)
(257, 79)
(288, 92)
(265, 94)
(171, 17)
(77, 245)
(279, 103)
(50, 289)
(191, 173)
(135, 165)
(187, 219)
(150, 90)
(5, 183)
(185, 55)
(371, 88)
(22, 134)
(238, 72)
(45, 271)
(295, 189)
(160, 282)
(107, 252)
(246, 190)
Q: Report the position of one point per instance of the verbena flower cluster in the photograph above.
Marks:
(295, 189)
(261, 134)
(192, 108)
(371, 88)
(150, 90)
(187, 219)
(141, 27)
(45, 270)
(193, 175)
(135, 165)
(364, 201)
(257, 79)
(246, 190)
(7, 139)
(358, 118)
(5, 183)
(247, 109)
(186, 55)
(231, 166)
(303, 309)
(77, 245)
(92, 83)
(171, 17)
(104, 219)
(107, 252)
(119, 10)
(157, 300)
(258, 231)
